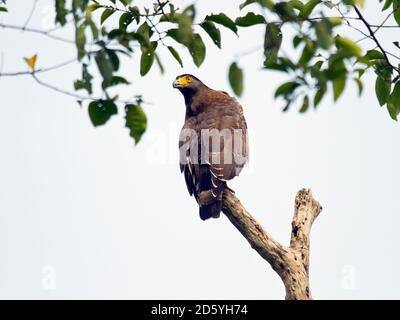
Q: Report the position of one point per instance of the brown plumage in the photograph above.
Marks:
(213, 142)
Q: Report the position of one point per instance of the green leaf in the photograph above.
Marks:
(286, 89)
(185, 30)
(170, 17)
(85, 82)
(309, 7)
(396, 11)
(246, 3)
(190, 11)
(174, 34)
(105, 67)
(272, 43)
(146, 61)
(105, 15)
(338, 86)
(360, 71)
(125, 2)
(235, 76)
(175, 54)
(297, 4)
(136, 13)
(197, 50)
(80, 40)
(307, 53)
(93, 28)
(116, 80)
(113, 58)
(382, 90)
(383, 70)
(395, 96)
(135, 121)
(285, 11)
(318, 96)
(222, 19)
(394, 102)
(101, 111)
(212, 31)
(93, 7)
(282, 64)
(393, 111)
(304, 106)
(323, 31)
(335, 21)
(144, 32)
(125, 20)
(387, 5)
(296, 41)
(249, 19)
(79, 84)
(336, 69)
(374, 55)
(3, 9)
(348, 46)
(61, 12)
(359, 85)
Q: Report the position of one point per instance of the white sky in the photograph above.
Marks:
(86, 214)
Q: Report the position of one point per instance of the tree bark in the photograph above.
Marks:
(291, 263)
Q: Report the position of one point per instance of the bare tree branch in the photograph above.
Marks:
(291, 263)
(383, 22)
(40, 70)
(372, 34)
(72, 94)
(38, 31)
(30, 13)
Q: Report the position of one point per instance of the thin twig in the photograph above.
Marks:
(383, 22)
(248, 52)
(371, 32)
(41, 70)
(379, 26)
(159, 33)
(161, 6)
(346, 19)
(155, 13)
(38, 31)
(341, 17)
(71, 94)
(393, 55)
(30, 14)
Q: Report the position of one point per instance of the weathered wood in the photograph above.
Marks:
(291, 263)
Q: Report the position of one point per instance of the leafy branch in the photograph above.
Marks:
(324, 59)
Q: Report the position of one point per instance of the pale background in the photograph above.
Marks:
(86, 214)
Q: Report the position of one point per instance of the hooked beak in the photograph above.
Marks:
(176, 84)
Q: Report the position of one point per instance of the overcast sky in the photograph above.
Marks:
(84, 213)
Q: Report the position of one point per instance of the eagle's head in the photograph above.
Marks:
(187, 83)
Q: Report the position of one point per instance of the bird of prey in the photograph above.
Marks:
(213, 142)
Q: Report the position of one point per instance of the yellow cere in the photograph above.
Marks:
(184, 81)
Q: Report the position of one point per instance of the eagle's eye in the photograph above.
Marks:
(188, 79)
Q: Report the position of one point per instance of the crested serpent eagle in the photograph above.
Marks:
(213, 142)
